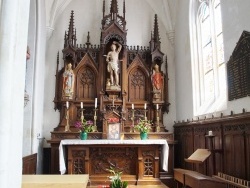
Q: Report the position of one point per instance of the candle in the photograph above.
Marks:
(210, 133)
(133, 106)
(157, 106)
(67, 104)
(95, 102)
(81, 105)
(145, 106)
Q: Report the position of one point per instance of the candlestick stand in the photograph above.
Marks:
(145, 115)
(133, 121)
(67, 129)
(157, 121)
(82, 116)
(95, 118)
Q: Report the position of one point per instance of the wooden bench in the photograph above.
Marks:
(196, 180)
(55, 181)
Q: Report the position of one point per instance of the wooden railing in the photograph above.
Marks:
(233, 182)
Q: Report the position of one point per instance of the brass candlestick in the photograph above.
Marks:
(67, 129)
(133, 121)
(95, 118)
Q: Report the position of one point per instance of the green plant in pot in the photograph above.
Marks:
(116, 181)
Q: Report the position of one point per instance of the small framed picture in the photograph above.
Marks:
(114, 130)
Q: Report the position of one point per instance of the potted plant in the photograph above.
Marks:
(116, 181)
(85, 127)
(143, 126)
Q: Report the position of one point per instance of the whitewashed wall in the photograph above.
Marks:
(235, 16)
(88, 15)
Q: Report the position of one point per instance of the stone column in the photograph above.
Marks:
(13, 44)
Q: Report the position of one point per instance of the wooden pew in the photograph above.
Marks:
(196, 180)
(55, 181)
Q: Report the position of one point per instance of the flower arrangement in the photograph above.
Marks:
(116, 181)
(85, 126)
(143, 126)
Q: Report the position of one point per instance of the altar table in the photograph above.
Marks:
(139, 159)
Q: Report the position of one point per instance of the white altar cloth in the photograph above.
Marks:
(164, 157)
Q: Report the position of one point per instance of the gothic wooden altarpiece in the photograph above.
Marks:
(85, 77)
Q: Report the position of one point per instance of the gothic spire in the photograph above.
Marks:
(71, 36)
(114, 7)
(156, 33)
(71, 24)
(88, 42)
(57, 62)
(124, 9)
(103, 9)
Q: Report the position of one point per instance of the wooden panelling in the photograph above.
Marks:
(29, 164)
(230, 144)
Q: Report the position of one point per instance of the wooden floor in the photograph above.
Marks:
(135, 186)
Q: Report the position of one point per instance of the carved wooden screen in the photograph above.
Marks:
(86, 83)
(137, 85)
(238, 68)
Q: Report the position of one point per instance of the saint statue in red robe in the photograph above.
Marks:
(157, 78)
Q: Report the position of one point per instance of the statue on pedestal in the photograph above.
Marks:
(68, 82)
(157, 82)
(112, 59)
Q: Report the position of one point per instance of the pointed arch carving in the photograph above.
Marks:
(138, 80)
(86, 79)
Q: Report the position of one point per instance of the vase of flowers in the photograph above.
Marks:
(115, 179)
(143, 126)
(84, 127)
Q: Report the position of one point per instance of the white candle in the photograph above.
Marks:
(95, 102)
(145, 106)
(157, 106)
(133, 106)
(210, 133)
(67, 104)
(81, 105)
